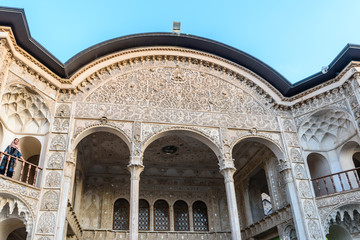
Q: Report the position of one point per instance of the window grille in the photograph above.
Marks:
(200, 216)
(181, 216)
(144, 213)
(121, 214)
(161, 216)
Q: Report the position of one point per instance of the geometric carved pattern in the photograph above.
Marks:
(326, 129)
(181, 216)
(200, 216)
(161, 216)
(24, 110)
(121, 214)
(144, 215)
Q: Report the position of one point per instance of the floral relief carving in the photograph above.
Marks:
(63, 110)
(60, 125)
(304, 189)
(300, 171)
(309, 208)
(46, 223)
(53, 180)
(58, 143)
(56, 160)
(295, 155)
(288, 125)
(50, 200)
(82, 125)
(314, 229)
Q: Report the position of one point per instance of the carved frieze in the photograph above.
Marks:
(60, 125)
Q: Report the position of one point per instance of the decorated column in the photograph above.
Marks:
(227, 170)
(135, 167)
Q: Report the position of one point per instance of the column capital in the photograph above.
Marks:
(287, 176)
(135, 170)
(225, 163)
(228, 174)
(136, 160)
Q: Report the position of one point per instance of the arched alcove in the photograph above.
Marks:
(15, 218)
(101, 174)
(319, 167)
(257, 162)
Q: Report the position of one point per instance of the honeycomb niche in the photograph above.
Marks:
(24, 110)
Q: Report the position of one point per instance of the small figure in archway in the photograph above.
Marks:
(13, 150)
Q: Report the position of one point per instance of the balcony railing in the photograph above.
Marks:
(337, 182)
(23, 171)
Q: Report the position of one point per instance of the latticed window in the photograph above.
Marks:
(144, 215)
(200, 216)
(161, 215)
(181, 216)
(121, 214)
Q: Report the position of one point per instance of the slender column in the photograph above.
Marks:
(231, 201)
(151, 218)
(191, 219)
(135, 170)
(171, 220)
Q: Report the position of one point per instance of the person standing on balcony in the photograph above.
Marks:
(13, 150)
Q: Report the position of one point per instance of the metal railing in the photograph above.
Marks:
(337, 182)
(23, 171)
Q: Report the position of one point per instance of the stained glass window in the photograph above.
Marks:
(144, 213)
(161, 216)
(200, 216)
(121, 214)
(181, 216)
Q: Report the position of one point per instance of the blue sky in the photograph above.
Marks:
(296, 38)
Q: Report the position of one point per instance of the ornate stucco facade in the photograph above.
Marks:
(162, 126)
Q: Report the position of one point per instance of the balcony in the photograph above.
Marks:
(337, 183)
(23, 171)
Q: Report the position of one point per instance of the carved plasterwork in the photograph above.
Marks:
(12, 207)
(56, 160)
(58, 142)
(346, 216)
(125, 128)
(46, 223)
(329, 203)
(28, 195)
(63, 110)
(50, 200)
(24, 110)
(319, 101)
(61, 125)
(53, 179)
(235, 136)
(150, 130)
